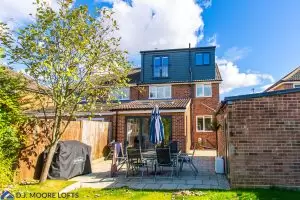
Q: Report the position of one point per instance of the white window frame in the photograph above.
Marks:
(294, 85)
(121, 90)
(156, 86)
(203, 118)
(202, 84)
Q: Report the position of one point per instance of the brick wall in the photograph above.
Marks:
(199, 106)
(182, 91)
(221, 136)
(178, 128)
(264, 141)
(205, 106)
(139, 93)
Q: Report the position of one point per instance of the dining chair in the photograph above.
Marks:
(135, 162)
(188, 159)
(173, 146)
(164, 159)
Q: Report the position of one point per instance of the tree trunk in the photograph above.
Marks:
(47, 164)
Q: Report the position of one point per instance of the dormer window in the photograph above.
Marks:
(160, 66)
(202, 58)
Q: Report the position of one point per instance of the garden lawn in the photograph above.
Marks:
(123, 193)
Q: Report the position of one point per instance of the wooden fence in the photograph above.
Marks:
(92, 133)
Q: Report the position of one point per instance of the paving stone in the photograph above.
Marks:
(152, 186)
(98, 185)
(206, 178)
(211, 182)
(200, 186)
(119, 185)
(184, 186)
(169, 186)
(137, 185)
(194, 182)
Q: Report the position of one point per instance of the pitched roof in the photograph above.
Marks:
(150, 104)
(292, 76)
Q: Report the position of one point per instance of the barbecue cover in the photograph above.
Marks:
(71, 158)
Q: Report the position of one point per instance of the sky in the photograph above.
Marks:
(258, 41)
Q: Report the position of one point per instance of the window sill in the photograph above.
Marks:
(203, 97)
(198, 131)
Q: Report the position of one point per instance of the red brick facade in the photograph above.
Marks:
(179, 130)
(139, 93)
(262, 138)
(199, 106)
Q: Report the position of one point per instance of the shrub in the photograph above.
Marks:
(6, 175)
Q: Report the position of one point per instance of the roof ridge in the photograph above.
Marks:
(283, 78)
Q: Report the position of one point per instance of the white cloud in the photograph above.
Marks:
(16, 12)
(233, 78)
(205, 3)
(212, 41)
(264, 87)
(149, 24)
(234, 53)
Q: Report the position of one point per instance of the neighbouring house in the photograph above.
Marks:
(291, 80)
(184, 83)
(260, 138)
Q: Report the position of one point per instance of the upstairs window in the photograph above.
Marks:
(122, 94)
(160, 67)
(204, 123)
(202, 58)
(160, 92)
(203, 90)
(297, 85)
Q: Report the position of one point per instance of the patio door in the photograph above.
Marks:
(138, 132)
(138, 129)
(167, 122)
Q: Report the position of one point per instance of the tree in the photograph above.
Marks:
(70, 55)
(11, 120)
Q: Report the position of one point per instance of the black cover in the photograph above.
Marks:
(71, 158)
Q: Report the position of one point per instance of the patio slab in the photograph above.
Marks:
(206, 178)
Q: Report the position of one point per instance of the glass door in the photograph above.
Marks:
(138, 132)
(167, 122)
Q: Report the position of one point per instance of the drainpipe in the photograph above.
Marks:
(190, 66)
(116, 125)
(191, 96)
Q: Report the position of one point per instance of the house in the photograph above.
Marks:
(260, 138)
(184, 83)
(291, 80)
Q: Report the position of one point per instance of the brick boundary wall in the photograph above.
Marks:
(264, 141)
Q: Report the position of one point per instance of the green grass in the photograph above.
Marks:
(243, 194)
(126, 194)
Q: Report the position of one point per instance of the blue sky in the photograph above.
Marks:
(258, 41)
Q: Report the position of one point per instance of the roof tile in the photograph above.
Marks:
(149, 104)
